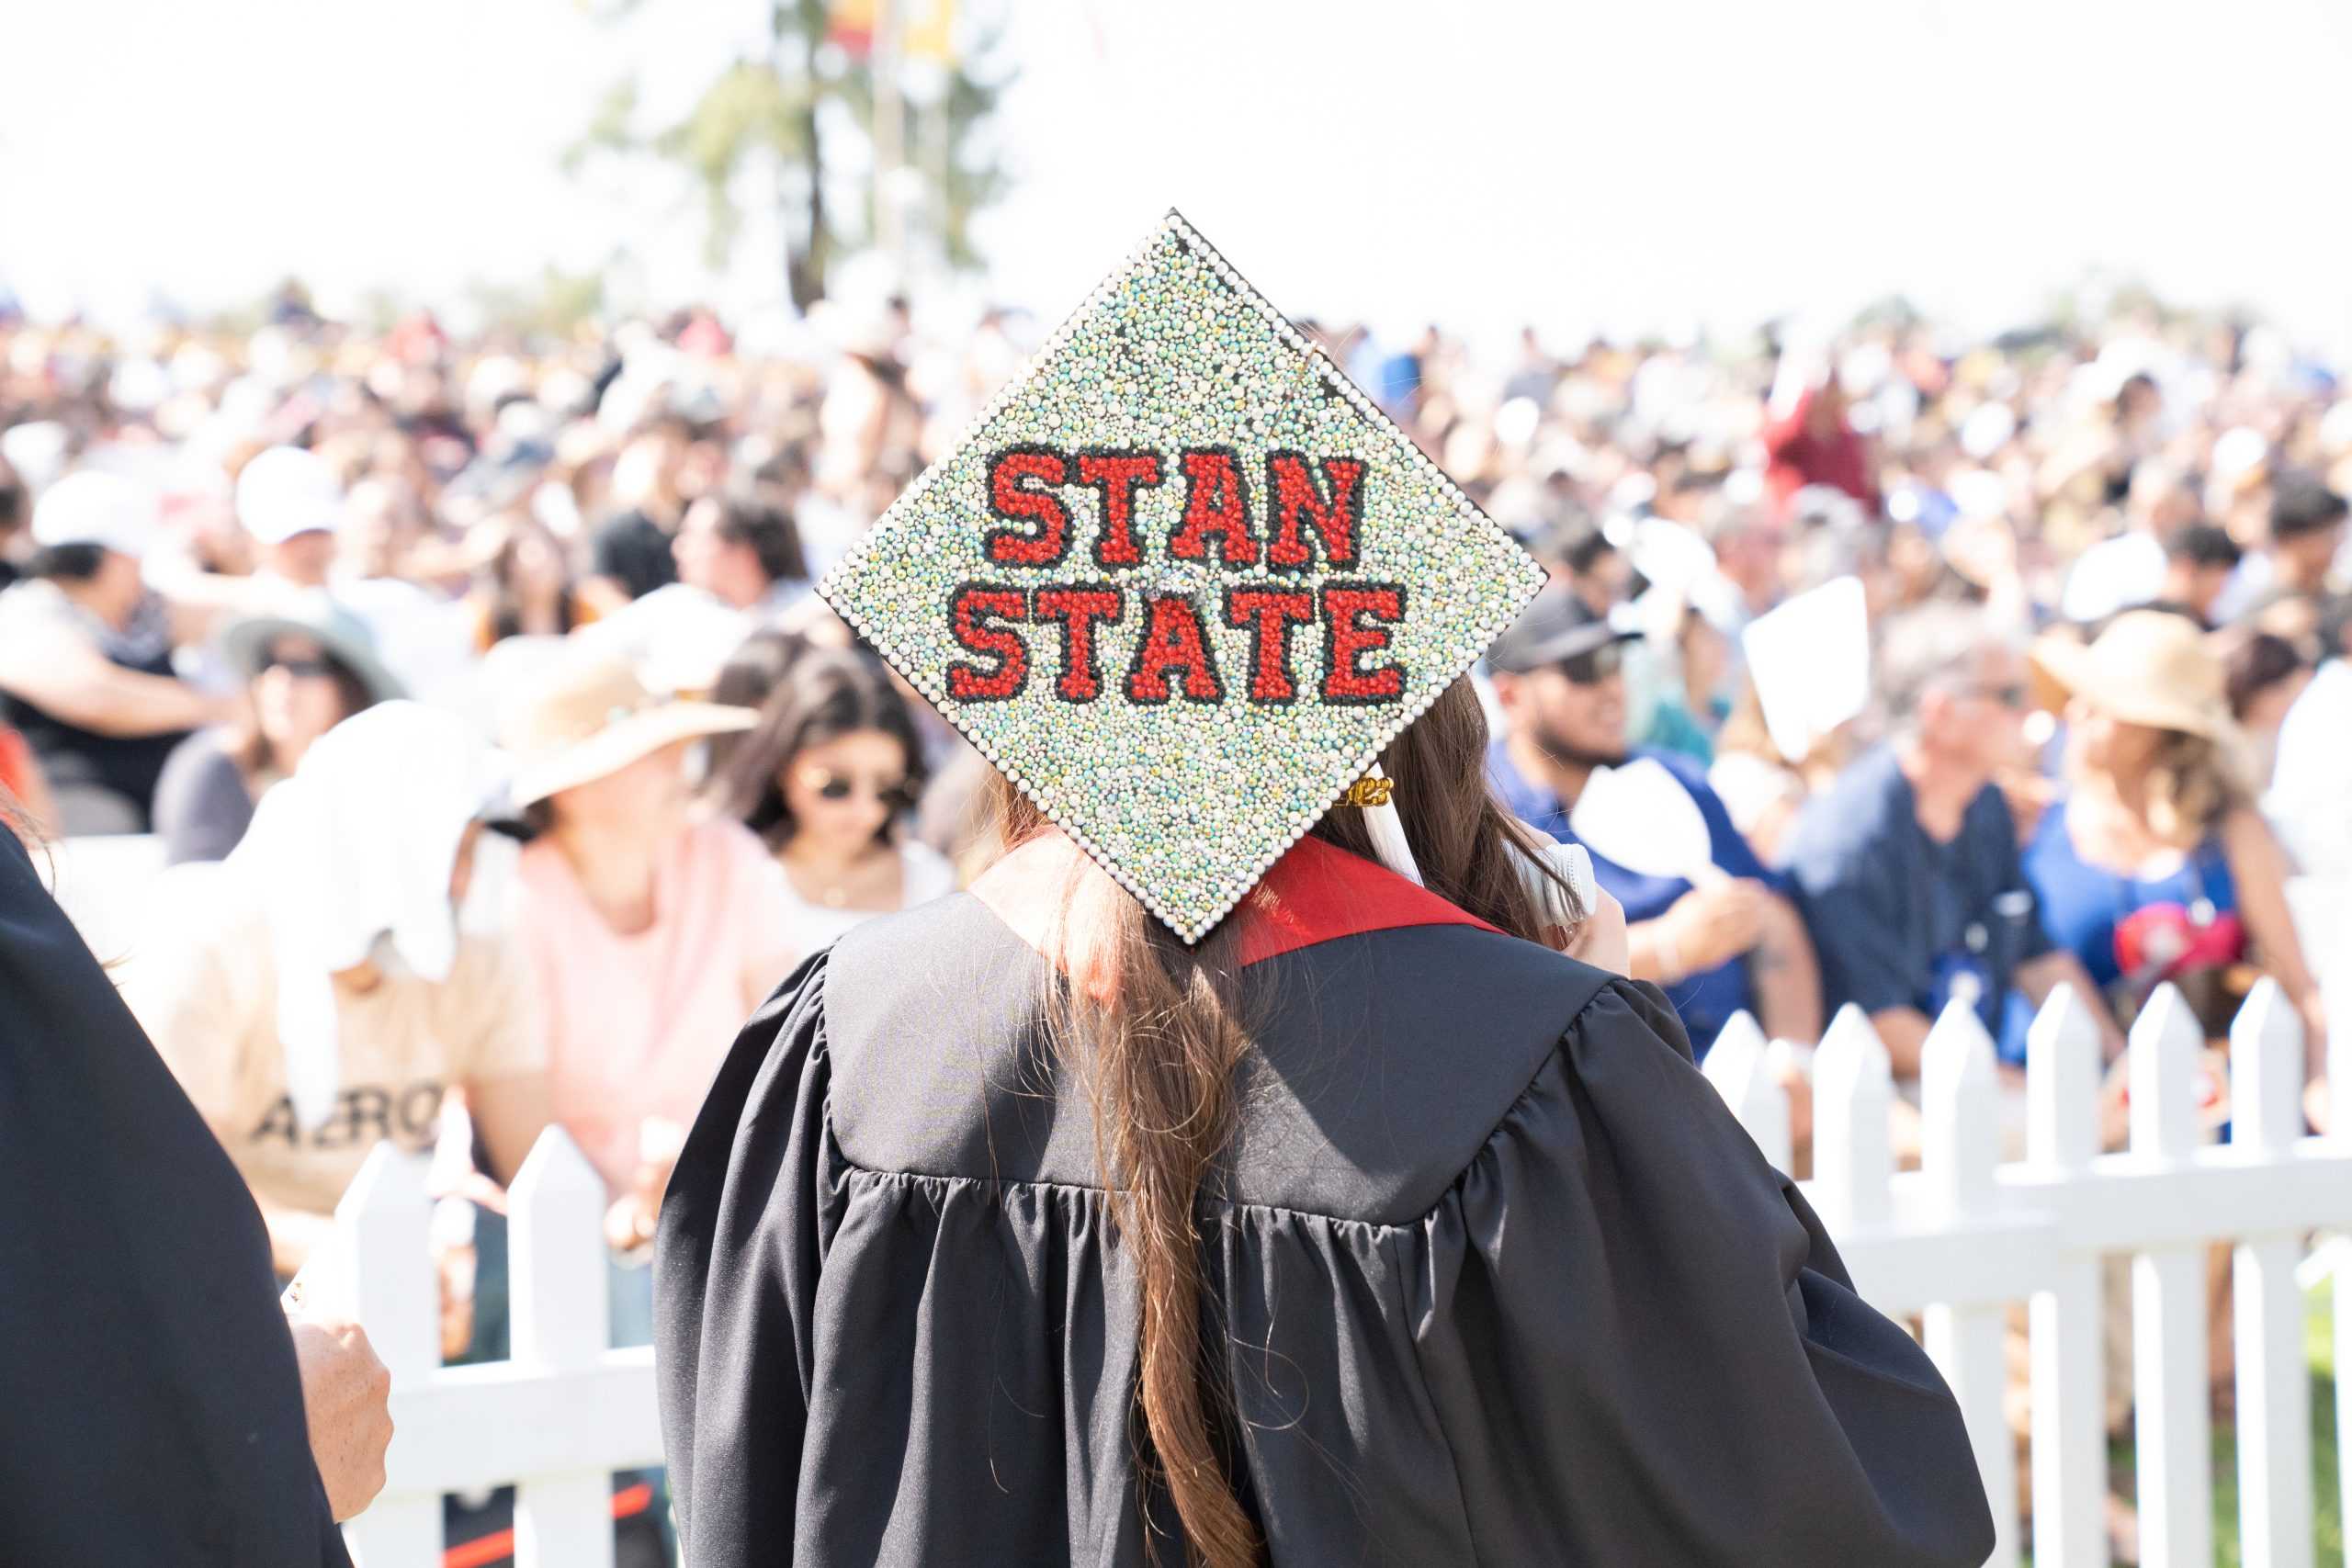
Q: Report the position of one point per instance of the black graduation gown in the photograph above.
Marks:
(153, 1412)
(1502, 1283)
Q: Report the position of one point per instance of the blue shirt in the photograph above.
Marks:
(2087, 909)
(1900, 920)
(1707, 999)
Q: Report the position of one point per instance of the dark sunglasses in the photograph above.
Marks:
(895, 797)
(303, 669)
(1594, 665)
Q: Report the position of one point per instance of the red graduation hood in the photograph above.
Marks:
(1316, 891)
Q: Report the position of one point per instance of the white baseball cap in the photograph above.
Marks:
(286, 491)
(93, 507)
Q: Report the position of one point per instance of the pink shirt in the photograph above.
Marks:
(636, 1024)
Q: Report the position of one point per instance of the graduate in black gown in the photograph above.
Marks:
(1487, 1272)
(1327, 1216)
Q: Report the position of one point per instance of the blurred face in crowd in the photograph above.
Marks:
(1573, 713)
(2304, 557)
(534, 561)
(2197, 584)
(707, 560)
(646, 799)
(2101, 743)
(115, 590)
(305, 560)
(379, 527)
(296, 697)
(1974, 721)
(1603, 582)
(843, 792)
(1706, 657)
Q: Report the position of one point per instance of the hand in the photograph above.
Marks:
(1600, 939)
(1715, 923)
(629, 1222)
(346, 1396)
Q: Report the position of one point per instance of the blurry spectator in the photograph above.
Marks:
(651, 936)
(1815, 444)
(2292, 588)
(1907, 864)
(2154, 867)
(744, 551)
(2098, 458)
(749, 678)
(306, 670)
(527, 587)
(86, 659)
(1692, 671)
(1728, 943)
(2311, 779)
(632, 554)
(1580, 558)
(2264, 677)
(316, 991)
(827, 780)
(2199, 561)
(16, 511)
(291, 504)
(2164, 551)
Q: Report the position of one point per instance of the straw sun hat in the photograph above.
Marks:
(2149, 667)
(590, 716)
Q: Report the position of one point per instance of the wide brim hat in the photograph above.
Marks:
(2149, 667)
(589, 716)
(245, 642)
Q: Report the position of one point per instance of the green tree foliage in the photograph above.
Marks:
(793, 110)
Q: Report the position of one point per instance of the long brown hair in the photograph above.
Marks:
(1159, 1050)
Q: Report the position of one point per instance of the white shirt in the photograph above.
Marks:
(924, 874)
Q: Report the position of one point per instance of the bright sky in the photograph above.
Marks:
(1575, 163)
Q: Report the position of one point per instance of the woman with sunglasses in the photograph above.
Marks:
(305, 668)
(827, 779)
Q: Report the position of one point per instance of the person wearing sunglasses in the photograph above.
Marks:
(828, 779)
(1907, 864)
(1729, 943)
(307, 667)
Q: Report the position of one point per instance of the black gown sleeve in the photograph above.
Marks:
(735, 1353)
(1641, 1348)
(154, 1410)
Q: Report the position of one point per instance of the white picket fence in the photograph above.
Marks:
(558, 1418)
(1964, 1237)
(1957, 1241)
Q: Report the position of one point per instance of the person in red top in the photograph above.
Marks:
(1814, 444)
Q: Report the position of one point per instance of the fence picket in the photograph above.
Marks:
(2274, 1383)
(561, 1316)
(2069, 1456)
(383, 1259)
(1853, 1093)
(1960, 1147)
(2169, 1366)
(1739, 1066)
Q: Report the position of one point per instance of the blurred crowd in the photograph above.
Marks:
(1878, 668)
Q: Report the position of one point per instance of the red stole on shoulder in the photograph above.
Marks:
(1316, 891)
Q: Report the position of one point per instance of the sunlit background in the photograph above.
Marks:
(1583, 167)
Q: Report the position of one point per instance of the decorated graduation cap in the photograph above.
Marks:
(1182, 581)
